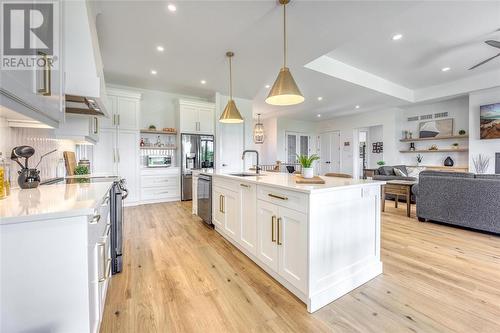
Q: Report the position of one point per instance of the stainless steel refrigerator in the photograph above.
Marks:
(197, 152)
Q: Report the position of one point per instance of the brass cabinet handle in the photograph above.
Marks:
(224, 204)
(46, 90)
(118, 117)
(279, 231)
(102, 247)
(273, 228)
(245, 185)
(277, 196)
(220, 203)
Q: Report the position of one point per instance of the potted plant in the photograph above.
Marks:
(420, 158)
(461, 132)
(381, 163)
(306, 163)
(152, 128)
(454, 145)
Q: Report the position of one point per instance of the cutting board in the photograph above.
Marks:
(314, 180)
(70, 162)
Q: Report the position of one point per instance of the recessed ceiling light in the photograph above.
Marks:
(397, 37)
(154, 72)
(268, 86)
(445, 69)
(320, 98)
(357, 106)
(160, 48)
(318, 115)
(203, 82)
(172, 7)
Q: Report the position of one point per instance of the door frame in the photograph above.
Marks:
(318, 148)
(298, 134)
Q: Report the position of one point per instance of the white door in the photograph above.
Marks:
(127, 158)
(217, 210)
(105, 153)
(267, 248)
(247, 216)
(189, 119)
(330, 152)
(230, 146)
(128, 113)
(297, 144)
(292, 245)
(206, 120)
(111, 108)
(231, 212)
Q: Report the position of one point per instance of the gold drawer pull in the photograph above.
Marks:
(277, 196)
(245, 185)
(279, 231)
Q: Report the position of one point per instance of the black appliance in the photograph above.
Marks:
(205, 198)
(197, 152)
(118, 193)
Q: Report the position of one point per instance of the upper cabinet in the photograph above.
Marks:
(36, 91)
(123, 108)
(196, 117)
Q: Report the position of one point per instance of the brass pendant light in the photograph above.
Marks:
(231, 115)
(258, 131)
(284, 91)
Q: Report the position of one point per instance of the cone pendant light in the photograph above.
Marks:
(284, 91)
(231, 115)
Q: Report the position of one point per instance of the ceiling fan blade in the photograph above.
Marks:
(493, 43)
(484, 61)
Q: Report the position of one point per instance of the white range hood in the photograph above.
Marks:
(83, 65)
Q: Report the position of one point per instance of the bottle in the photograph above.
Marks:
(142, 142)
(61, 169)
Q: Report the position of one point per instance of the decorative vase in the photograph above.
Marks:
(448, 162)
(307, 172)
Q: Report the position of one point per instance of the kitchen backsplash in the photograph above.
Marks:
(43, 141)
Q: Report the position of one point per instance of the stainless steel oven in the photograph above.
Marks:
(158, 161)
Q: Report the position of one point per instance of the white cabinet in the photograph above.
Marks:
(160, 185)
(123, 107)
(196, 117)
(79, 128)
(267, 250)
(225, 211)
(104, 161)
(127, 160)
(247, 210)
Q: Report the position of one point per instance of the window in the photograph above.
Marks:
(297, 143)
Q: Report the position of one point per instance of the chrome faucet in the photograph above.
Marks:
(252, 151)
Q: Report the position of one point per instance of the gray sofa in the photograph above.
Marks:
(386, 172)
(462, 199)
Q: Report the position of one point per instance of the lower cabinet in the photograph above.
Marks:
(159, 185)
(274, 234)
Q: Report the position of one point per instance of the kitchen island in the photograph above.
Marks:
(318, 241)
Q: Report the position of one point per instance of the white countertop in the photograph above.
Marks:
(52, 201)
(287, 182)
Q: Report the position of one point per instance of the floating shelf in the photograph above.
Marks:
(460, 150)
(146, 131)
(159, 148)
(450, 137)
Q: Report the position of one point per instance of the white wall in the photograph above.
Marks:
(476, 146)
(348, 127)
(457, 108)
(268, 148)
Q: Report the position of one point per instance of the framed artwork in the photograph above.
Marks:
(490, 121)
(377, 147)
(435, 128)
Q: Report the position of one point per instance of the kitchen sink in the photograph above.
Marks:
(245, 174)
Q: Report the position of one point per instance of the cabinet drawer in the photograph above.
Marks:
(159, 181)
(154, 193)
(290, 199)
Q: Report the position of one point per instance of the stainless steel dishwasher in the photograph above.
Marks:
(205, 198)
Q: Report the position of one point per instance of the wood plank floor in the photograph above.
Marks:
(180, 276)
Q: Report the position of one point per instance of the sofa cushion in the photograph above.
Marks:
(434, 173)
(402, 168)
(488, 176)
(386, 171)
(400, 172)
(394, 177)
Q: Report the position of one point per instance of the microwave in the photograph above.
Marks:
(157, 161)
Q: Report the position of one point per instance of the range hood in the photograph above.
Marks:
(84, 76)
(83, 105)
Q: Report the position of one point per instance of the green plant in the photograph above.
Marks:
(420, 158)
(461, 132)
(81, 170)
(152, 127)
(381, 163)
(307, 161)
(455, 144)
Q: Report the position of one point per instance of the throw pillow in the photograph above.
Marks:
(400, 173)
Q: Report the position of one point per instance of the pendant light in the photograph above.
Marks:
(231, 115)
(284, 91)
(258, 131)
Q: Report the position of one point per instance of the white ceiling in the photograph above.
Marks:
(197, 35)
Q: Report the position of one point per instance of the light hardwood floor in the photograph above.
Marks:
(180, 276)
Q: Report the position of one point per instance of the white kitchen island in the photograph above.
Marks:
(319, 241)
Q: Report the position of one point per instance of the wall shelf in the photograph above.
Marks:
(450, 137)
(158, 148)
(459, 150)
(146, 131)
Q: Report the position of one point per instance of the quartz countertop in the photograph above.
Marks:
(52, 201)
(287, 181)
